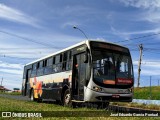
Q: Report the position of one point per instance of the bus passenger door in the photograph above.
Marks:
(78, 78)
(27, 84)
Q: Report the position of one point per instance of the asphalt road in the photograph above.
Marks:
(17, 97)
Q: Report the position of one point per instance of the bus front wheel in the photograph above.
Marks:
(67, 98)
(102, 105)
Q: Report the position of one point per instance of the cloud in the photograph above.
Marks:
(152, 16)
(23, 51)
(70, 24)
(10, 79)
(152, 64)
(151, 9)
(149, 72)
(156, 30)
(15, 15)
(13, 84)
(149, 67)
(145, 4)
(126, 35)
(73, 10)
(11, 71)
(11, 66)
(118, 33)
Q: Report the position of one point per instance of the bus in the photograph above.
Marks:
(88, 72)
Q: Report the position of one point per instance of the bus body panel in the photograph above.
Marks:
(107, 94)
(50, 86)
(93, 96)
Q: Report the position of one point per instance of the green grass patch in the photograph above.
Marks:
(137, 105)
(11, 93)
(144, 93)
(7, 104)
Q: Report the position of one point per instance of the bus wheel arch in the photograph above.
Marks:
(31, 96)
(66, 96)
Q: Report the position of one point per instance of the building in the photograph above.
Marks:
(3, 89)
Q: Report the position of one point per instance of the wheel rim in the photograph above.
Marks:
(32, 97)
(67, 99)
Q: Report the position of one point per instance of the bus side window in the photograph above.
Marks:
(34, 70)
(54, 59)
(48, 67)
(41, 64)
(38, 65)
(60, 58)
(40, 68)
(35, 66)
(64, 61)
(45, 62)
(70, 55)
(58, 66)
(60, 63)
(50, 61)
(69, 58)
(57, 59)
(54, 64)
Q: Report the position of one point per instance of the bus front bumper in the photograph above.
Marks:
(94, 96)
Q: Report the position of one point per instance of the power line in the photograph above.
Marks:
(139, 37)
(9, 52)
(146, 44)
(134, 49)
(30, 40)
(153, 52)
(152, 48)
(1, 81)
(25, 48)
(4, 56)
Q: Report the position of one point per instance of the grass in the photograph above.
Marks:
(137, 105)
(17, 105)
(144, 93)
(11, 93)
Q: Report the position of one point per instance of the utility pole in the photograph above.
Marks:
(1, 81)
(139, 64)
(150, 87)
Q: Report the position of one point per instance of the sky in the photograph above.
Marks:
(31, 29)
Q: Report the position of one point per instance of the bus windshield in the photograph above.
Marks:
(112, 68)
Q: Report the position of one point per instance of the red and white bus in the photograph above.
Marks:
(90, 71)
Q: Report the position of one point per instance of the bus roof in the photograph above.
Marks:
(68, 48)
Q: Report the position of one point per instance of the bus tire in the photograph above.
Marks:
(67, 98)
(39, 99)
(32, 96)
(102, 105)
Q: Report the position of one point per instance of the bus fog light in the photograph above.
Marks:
(98, 89)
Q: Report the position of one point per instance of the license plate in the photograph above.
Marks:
(115, 96)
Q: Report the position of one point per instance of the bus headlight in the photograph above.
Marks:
(130, 90)
(97, 89)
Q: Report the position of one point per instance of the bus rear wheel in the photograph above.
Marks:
(32, 96)
(67, 98)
